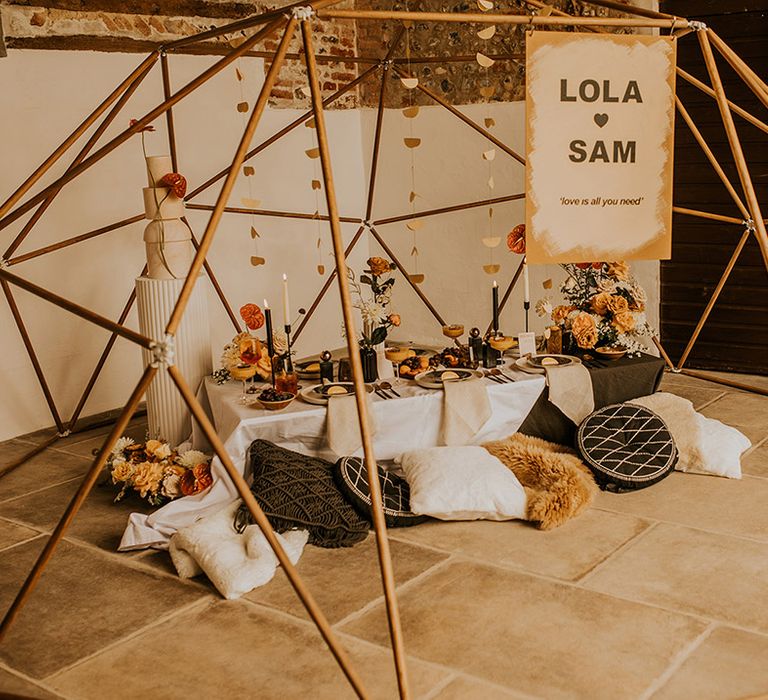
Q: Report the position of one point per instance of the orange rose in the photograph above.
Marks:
(516, 239)
(624, 321)
(252, 315)
(378, 266)
(617, 304)
(619, 270)
(599, 303)
(559, 313)
(394, 319)
(196, 479)
(584, 330)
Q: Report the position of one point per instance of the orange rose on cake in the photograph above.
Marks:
(584, 330)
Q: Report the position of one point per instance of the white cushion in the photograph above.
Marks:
(235, 563)
(462, 483)
(721, 447)
(704, 445)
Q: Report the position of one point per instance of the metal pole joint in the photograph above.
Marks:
(749, 224)
(163, 351)
(303, 13)
(697, 25)
(4, 262)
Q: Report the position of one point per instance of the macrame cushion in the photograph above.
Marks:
(351, 476)
(296, 491)
(626, 446)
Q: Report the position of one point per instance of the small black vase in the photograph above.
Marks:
(370, 369)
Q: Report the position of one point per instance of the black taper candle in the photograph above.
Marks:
(495, 308)
(270, 341)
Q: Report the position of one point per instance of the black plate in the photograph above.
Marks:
(437, 375)
(323, 390)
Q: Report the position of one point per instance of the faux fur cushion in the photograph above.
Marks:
(557, 483)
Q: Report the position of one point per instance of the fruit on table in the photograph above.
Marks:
(271, 394)
(412, 366)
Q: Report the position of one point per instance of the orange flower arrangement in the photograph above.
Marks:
(604, 306)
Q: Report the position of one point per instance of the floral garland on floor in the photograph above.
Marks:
(605, 306)
(156, 471)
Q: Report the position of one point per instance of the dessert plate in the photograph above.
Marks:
(320, 393)
(434, 378)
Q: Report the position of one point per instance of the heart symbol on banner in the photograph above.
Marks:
(601, 120)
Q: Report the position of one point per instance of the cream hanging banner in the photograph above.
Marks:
(600, 138)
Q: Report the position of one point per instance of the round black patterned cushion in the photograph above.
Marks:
(626, 446)
(351, 476)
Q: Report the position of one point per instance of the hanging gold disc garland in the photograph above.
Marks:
(249, 171)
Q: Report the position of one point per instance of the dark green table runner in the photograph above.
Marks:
(616, 382)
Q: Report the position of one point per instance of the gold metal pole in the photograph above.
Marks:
(286, 129)
(326, 285)
(76, 309)
(711, 157)
(140, 124)
(266, 528)
(79, 131)
(30, 348)
(458, 113)
(270, 212)
(725, 382)
(710, 304)
(408, 279)
(229, 182)
(494, 18)
(446, 210)
(77, 501)
(735, 144)
(752, 79)
(734, 107)
(377, 511)
(707, 215)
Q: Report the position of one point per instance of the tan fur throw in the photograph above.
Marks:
(557, 483)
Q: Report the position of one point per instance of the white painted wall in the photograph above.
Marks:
(46, 94)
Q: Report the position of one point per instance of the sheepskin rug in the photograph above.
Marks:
(557, 483)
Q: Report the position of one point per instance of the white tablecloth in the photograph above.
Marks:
(409, 423)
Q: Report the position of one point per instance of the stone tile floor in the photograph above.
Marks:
(658, 594)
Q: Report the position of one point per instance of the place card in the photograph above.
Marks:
(527, 343)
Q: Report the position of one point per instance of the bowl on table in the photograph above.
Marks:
(611, 353)
(273, 400)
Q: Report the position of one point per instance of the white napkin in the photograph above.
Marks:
(466, 408)
(570, 389)
(343, 426)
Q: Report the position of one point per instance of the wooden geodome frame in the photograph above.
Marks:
(287, 20)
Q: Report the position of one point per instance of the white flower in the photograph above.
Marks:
(280, 341)
(120, 445)
(372, 312)
(543, 307)
(607, 285)
(171, 486)
(191, 458)
(230, 357)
